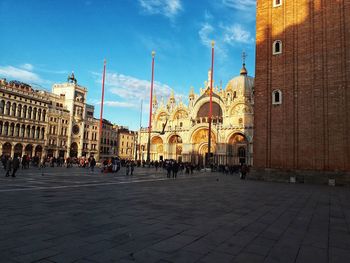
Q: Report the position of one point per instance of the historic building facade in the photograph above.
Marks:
(302, 94)
(126, 142)
(185, 136)
(108, 140)
(23, 115)
(51, 124)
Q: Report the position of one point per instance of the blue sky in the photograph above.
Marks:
(45, 40)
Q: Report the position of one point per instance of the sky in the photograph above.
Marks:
(42, 41)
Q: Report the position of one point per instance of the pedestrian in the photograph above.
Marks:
(244, 171)
(3, 160)
(8, 166)
(175, 169)
(168, 169)
(127, 168)
(15, 166)
(24, 161)
(92, 164)
(132, 166)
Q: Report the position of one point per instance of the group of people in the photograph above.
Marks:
(10, 165)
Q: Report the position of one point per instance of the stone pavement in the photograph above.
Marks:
(72, 215)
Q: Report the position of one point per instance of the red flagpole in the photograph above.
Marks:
(150, 113)
(102, 97)
(210, 102)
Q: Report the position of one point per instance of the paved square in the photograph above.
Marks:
(73, 215)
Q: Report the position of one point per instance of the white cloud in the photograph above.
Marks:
(20, 74)
(244, 5)
(168, 8)
(204, 33)
(207, 35)
(236, 34)
(131, 90)
(27, 66)
(119, 104)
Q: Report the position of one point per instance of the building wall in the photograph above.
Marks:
(310, 130)
(126, 144)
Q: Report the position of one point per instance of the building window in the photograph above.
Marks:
(276, 97)
(277, 47)
(277, 3)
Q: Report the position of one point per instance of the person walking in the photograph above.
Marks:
(92, 164)
(175, 169)
(244, 171)
(8, 166)
(168, 169)
(132, 167)
(127, 168)
(15, 166)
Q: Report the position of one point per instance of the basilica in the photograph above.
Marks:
(180, 132)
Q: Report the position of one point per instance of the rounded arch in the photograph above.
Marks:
(180, 113)
(14, 109)
(19, 111)
(161, 116)
(240, 109)
(29, 150)
(236, 136)
(24, 114)
(2, 107)
(34, 113)
(18, 150)
(157, 147)
(238, 147)
(8, 107)
(200, 135)
(156, 140)
(38, 151)
(204, 109)
(7, 149)
(12, 129)
(17, 130)
(175, 138)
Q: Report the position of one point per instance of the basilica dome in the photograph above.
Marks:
(242, 84)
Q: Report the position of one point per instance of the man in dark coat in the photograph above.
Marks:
(15, 166)
(175, 169)
(8, 166)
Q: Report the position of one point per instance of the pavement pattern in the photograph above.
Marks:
(74, 215)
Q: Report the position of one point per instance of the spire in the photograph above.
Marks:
(191, 93)
(244, 71)
(155, 99)
(209, 76)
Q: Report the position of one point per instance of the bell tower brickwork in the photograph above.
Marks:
(310, 129)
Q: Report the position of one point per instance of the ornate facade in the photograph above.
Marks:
(185, 136)
(41, 123)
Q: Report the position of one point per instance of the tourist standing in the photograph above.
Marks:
(15, 166)
(92, 164)
(175, 169)
(8, 166)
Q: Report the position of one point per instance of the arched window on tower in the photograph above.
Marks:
(277, 47)
(277, 97)
(277, 3)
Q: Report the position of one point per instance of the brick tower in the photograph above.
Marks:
(302, 88)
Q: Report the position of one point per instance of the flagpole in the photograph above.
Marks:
(210, 103)
(102, 101)
(139, 136)
(150, 113)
